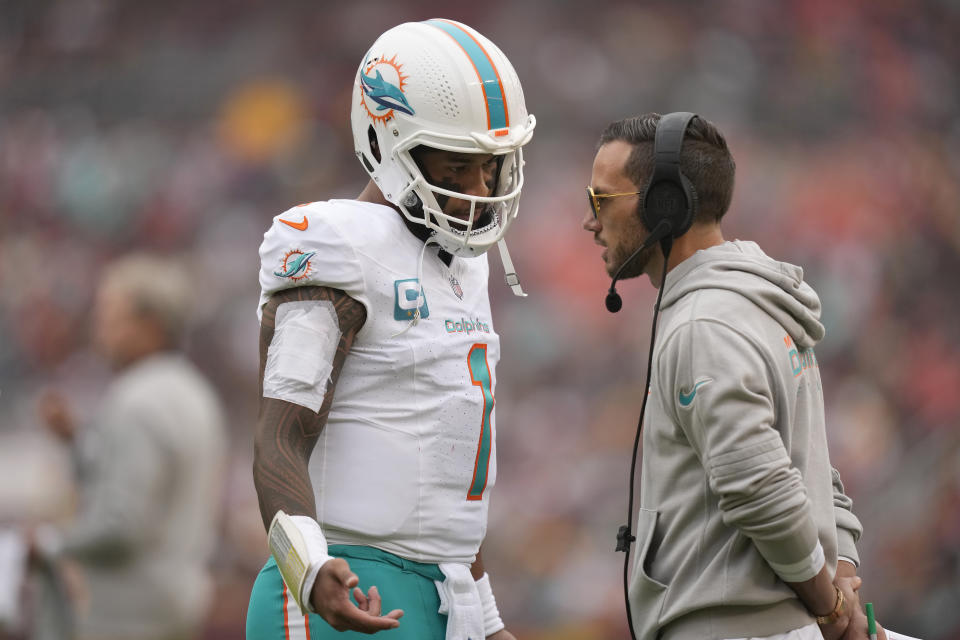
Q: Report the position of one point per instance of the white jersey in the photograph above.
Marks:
(407, 459)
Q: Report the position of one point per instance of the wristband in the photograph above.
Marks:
(491, 615)
(299, 548)
(832, 617)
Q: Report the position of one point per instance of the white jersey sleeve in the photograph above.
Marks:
(305, 247)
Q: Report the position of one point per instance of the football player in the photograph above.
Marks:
(375, 445)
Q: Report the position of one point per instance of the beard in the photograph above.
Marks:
(634, 233)
(619, 255)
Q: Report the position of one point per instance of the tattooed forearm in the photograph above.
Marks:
(281, 452)
(286, 433)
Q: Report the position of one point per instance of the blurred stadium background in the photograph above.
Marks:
(182, 127)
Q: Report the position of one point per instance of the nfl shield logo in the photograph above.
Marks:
(457, 289)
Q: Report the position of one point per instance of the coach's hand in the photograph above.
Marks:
(837, 630)
(503, 634)
(841, 627)
(331, 600)
(848, 582)
(857, 629)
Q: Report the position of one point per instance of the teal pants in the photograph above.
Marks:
(403, 584)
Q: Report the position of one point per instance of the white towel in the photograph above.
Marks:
(460, 600)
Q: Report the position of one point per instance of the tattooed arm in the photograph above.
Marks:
(285, 437)
(286, 433)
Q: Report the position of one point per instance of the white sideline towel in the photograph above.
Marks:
(460, 600)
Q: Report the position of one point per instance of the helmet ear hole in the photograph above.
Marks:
(374, 144)
(366, 163)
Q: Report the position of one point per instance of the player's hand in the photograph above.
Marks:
(503, 634)
(331, 600)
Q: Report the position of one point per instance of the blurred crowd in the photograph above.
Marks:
(182, 128)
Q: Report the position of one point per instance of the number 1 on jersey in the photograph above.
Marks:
(480, 376)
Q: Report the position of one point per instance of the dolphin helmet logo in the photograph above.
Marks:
(382, 95)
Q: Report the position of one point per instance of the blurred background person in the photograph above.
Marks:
(149, 467)
(184, 126)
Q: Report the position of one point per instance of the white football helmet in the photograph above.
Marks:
(443, 85)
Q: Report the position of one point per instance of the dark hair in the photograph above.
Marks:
(704, 159)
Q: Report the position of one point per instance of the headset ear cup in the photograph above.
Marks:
(641, 216)
(666, 200)
(669, 195)
(689, 212)
(648, 217)
(642, 208)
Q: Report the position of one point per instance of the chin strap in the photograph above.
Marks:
(509, 272)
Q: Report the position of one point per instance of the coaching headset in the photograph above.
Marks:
(667, 208)
(669, 202)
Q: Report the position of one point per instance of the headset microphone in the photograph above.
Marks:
(663, 231)
(613, 301)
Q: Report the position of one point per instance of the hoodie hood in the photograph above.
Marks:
(775, 287)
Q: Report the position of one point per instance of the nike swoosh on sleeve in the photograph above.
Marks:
(299, 226)
(687, 398)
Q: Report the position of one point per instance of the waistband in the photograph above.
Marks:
(361, 552)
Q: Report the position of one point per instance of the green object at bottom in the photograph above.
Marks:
(871, 621)
(403, 584)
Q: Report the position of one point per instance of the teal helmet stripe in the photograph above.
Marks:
(497, 115)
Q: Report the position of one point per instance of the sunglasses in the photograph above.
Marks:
(596, 197)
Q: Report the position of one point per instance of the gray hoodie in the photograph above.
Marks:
(737, 492)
